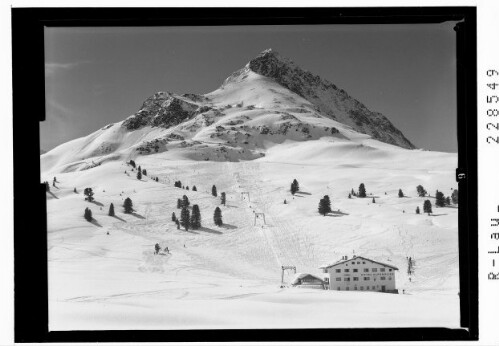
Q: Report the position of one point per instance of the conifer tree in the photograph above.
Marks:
(214, 191)
(401, 194)
(323, 207)
(195, 217)
(362, 190)
(295, 187)
(194, 188)
(185, 201)
(75, 190)
(139, 174)
(352, 192)
(447, 200)
(88, 214)
(144, 171)
(179, 203)
(187, 188)
(374, 201)
(427, 207)
(185, 218)
(178, 223)
(439, 199)
(174, 217)
(328, 203)
(417, 210)
(128, 205)
(132, 163)
(111, 210)
(89, 193)
(455, 196)
(157, 179)
(222, 198)
(421, 191)
(349, 195)
(217, 217)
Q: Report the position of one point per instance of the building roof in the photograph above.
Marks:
(355, 258)
(300, 276)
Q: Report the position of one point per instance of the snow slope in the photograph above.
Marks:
(229, 276)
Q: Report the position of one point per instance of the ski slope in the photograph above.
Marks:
(230, 276)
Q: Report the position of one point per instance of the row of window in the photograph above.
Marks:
(366, 270)
(368, 288)
(366, 278)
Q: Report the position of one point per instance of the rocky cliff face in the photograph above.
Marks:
(330, 100)
(163, 109)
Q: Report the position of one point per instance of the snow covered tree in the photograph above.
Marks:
(174, 217)
(439, 199)
(295, 187)
(455, 196)
(417, 210)
(144, 171)
(352, 192)
(421, 191)
(157, 249)
(447, 200)
(128, 205)
(194, 188)
(177, 184)
(362, 190)
(139, 169)
(111, 210)
(195, 217)
(88, 214)
(324, 208)
(132, 163)
(217, 217)
(185, 218)
(214, 191)
(178, 223)
(75, 190)
(187, 188)
(222, 198)
(427, 207)
(349, 195)
(139, 174)
(89, 193)
(179, 203)
(185, 201)
(157, 179)
(401, 194)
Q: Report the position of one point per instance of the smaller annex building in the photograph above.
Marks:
(360, 274)
(307, 280)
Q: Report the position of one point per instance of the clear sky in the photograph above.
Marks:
(97, 76)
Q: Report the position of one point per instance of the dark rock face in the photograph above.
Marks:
(328, 98)
(161, 110)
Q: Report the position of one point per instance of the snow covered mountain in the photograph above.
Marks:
(269, 123)
(268, 101)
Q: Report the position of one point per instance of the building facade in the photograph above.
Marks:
(360, 274)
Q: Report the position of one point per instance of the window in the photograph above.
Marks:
(347, 270)
(338, 279)
(338, 289)
(355, 270)
(348, 288)
(355, 279)
(383, 278)
(367, 278)
(389, 270)
(358, 262)
(363, 262)
(374, 270)
(374, 287)
(355, 288)
(367, 288)
(353, 262)
(361, 288)
(326, 279)
(338, 270)
(382, 270)
(366, 270)
(389, 278)
(347, 279)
